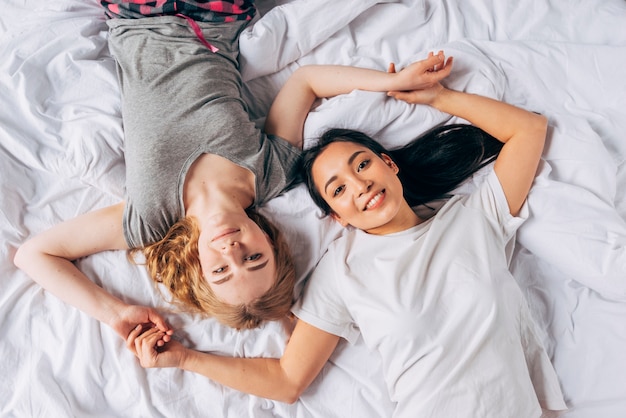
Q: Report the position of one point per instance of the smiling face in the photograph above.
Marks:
(237, 258)
(362, 188)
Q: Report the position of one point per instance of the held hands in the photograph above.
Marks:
(146, 334)
(419, 83)
(149, 348)
(127, 319)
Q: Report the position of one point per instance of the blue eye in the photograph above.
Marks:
(253, 257)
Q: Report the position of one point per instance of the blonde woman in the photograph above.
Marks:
(196, 168)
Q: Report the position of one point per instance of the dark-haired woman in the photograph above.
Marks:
(434, 297)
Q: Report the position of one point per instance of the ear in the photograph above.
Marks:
(387, 159)
(338, 219)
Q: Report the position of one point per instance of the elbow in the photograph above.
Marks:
(292, 390)
(292, 395)
(537, 132)
(543, 122)
(27, 255)
(20, 259)
(540, 124)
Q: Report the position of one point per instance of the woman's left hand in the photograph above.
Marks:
(422, 75)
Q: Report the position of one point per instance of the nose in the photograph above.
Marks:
(229, 246)
(362, 185)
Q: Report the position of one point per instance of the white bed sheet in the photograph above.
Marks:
(61, 154)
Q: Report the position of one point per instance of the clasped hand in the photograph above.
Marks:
(149, 345)
(147, 333)
(419, 83)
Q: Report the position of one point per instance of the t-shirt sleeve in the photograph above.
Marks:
(138, 232)
(490, 198)
(276, 167)
(322, 305)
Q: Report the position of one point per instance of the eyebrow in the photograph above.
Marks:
(230, 276)
(350, 161)
(259, 266)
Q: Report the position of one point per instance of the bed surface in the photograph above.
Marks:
(61, 154)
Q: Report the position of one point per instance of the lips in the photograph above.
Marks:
(375, 200)
(224, 234)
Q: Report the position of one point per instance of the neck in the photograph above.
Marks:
(217, 199)
(216, 185)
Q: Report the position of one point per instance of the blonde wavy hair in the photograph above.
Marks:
(174, 262)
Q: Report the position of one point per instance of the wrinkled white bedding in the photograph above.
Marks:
(61, 154)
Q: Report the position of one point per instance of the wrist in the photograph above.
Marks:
(396, 81)
(442, 98)
(185, 359)
(112, 313)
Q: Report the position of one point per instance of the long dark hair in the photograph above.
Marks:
(431, 166)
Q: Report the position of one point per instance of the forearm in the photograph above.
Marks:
(333, 80)
(47, 259)
(63, 279)
(307, 350)
(294, 101)
(523, 134)
(292, 104)
(499, 119)
(262, 377)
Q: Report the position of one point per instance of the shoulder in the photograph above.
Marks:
(488, 196)
(487, 202)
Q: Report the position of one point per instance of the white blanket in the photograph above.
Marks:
(61, 154)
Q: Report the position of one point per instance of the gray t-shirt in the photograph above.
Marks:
(179, 101)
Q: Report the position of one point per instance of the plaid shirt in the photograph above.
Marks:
(199, 10)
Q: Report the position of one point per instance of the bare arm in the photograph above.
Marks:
(281, 379)
(523, 134)
(293, 103)
(47, 259)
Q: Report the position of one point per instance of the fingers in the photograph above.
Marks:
(132, 336)
(140, 334)
(159, 322)
(399, 95)
(147, 341)
(391, 68)
(442, 70)
(146, 347)
(437, 62)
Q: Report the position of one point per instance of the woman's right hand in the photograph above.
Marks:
(426, 96)
(145, 344)
(129, 317)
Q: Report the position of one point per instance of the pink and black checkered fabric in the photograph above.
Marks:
(198, 10)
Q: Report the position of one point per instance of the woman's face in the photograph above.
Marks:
(237, 258)
(361, 188)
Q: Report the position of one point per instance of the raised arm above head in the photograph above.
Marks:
(292, 104)
(522, 132)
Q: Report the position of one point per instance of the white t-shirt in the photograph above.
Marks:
(439, 305)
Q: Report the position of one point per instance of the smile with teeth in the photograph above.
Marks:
(374, 200)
